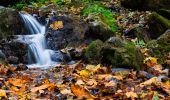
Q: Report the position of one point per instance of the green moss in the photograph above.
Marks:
(161, 19)
(106, 16)
(93, 52)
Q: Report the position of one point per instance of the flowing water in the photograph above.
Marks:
(36, 42)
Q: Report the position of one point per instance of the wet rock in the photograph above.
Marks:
(12, 60)
(10, 23)
(76, 54)
(21, 67)
(157, 25)
(2, 57)
(15, 51)
(70, 35)
(146, 4)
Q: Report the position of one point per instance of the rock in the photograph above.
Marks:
(126, 55)
(98, 32)
(70, 35)
(146, 4)
(2, 57)
(10, 23)
(12, 60)
(93, 52)
(157, 25)
(15, 51)
(21, 67)
(98, 28)
(115, 41)
(76, 54)
(139, 33)
(160, 47)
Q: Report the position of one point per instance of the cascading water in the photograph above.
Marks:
(36, 41)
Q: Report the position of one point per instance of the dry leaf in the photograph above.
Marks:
(57, 25)
(3, 93)
(66, 91)
(149, 82)
(45, 86)
(81, 92)
(131, 95)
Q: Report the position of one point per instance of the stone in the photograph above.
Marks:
(126, 55)
(93, 52)
(12, 60)
(157, 25)
(160, 48)
(146, 4)
(15, 51)
(10, 23)
(2, 57)
(71, 34)
(21, 67)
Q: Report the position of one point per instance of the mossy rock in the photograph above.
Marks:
(160, 47)
(10, 23)
(102, 25)
(93, 52)
(126, 55)
(157, 25)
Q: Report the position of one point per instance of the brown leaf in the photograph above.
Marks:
(44, 86)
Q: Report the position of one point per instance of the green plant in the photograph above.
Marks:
(106, 15)
(20, 5)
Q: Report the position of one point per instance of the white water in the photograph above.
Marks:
(36, 41)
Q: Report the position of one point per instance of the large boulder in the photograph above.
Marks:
(15, 51)
(123, 54)
(157, 25)
(10, 23)
(146, 4)
(160, 47)
(71, 34)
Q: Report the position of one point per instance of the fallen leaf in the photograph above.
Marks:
(79, 82)
(85, 73)
(110, 84)
(81, 92)
(131, 95)
(57, 25)
(45, 86)
(149, 82)
(150, 61)
(3, 93)
(66, 91)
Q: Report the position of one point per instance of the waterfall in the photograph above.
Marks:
(36, 41)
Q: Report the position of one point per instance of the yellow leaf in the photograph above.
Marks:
(66, 91)
(110, 84)
(3, 93)
(150, 81)
(84, 73)
(131, 95)
(150, 61)
(57, 25)
(81, 92)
